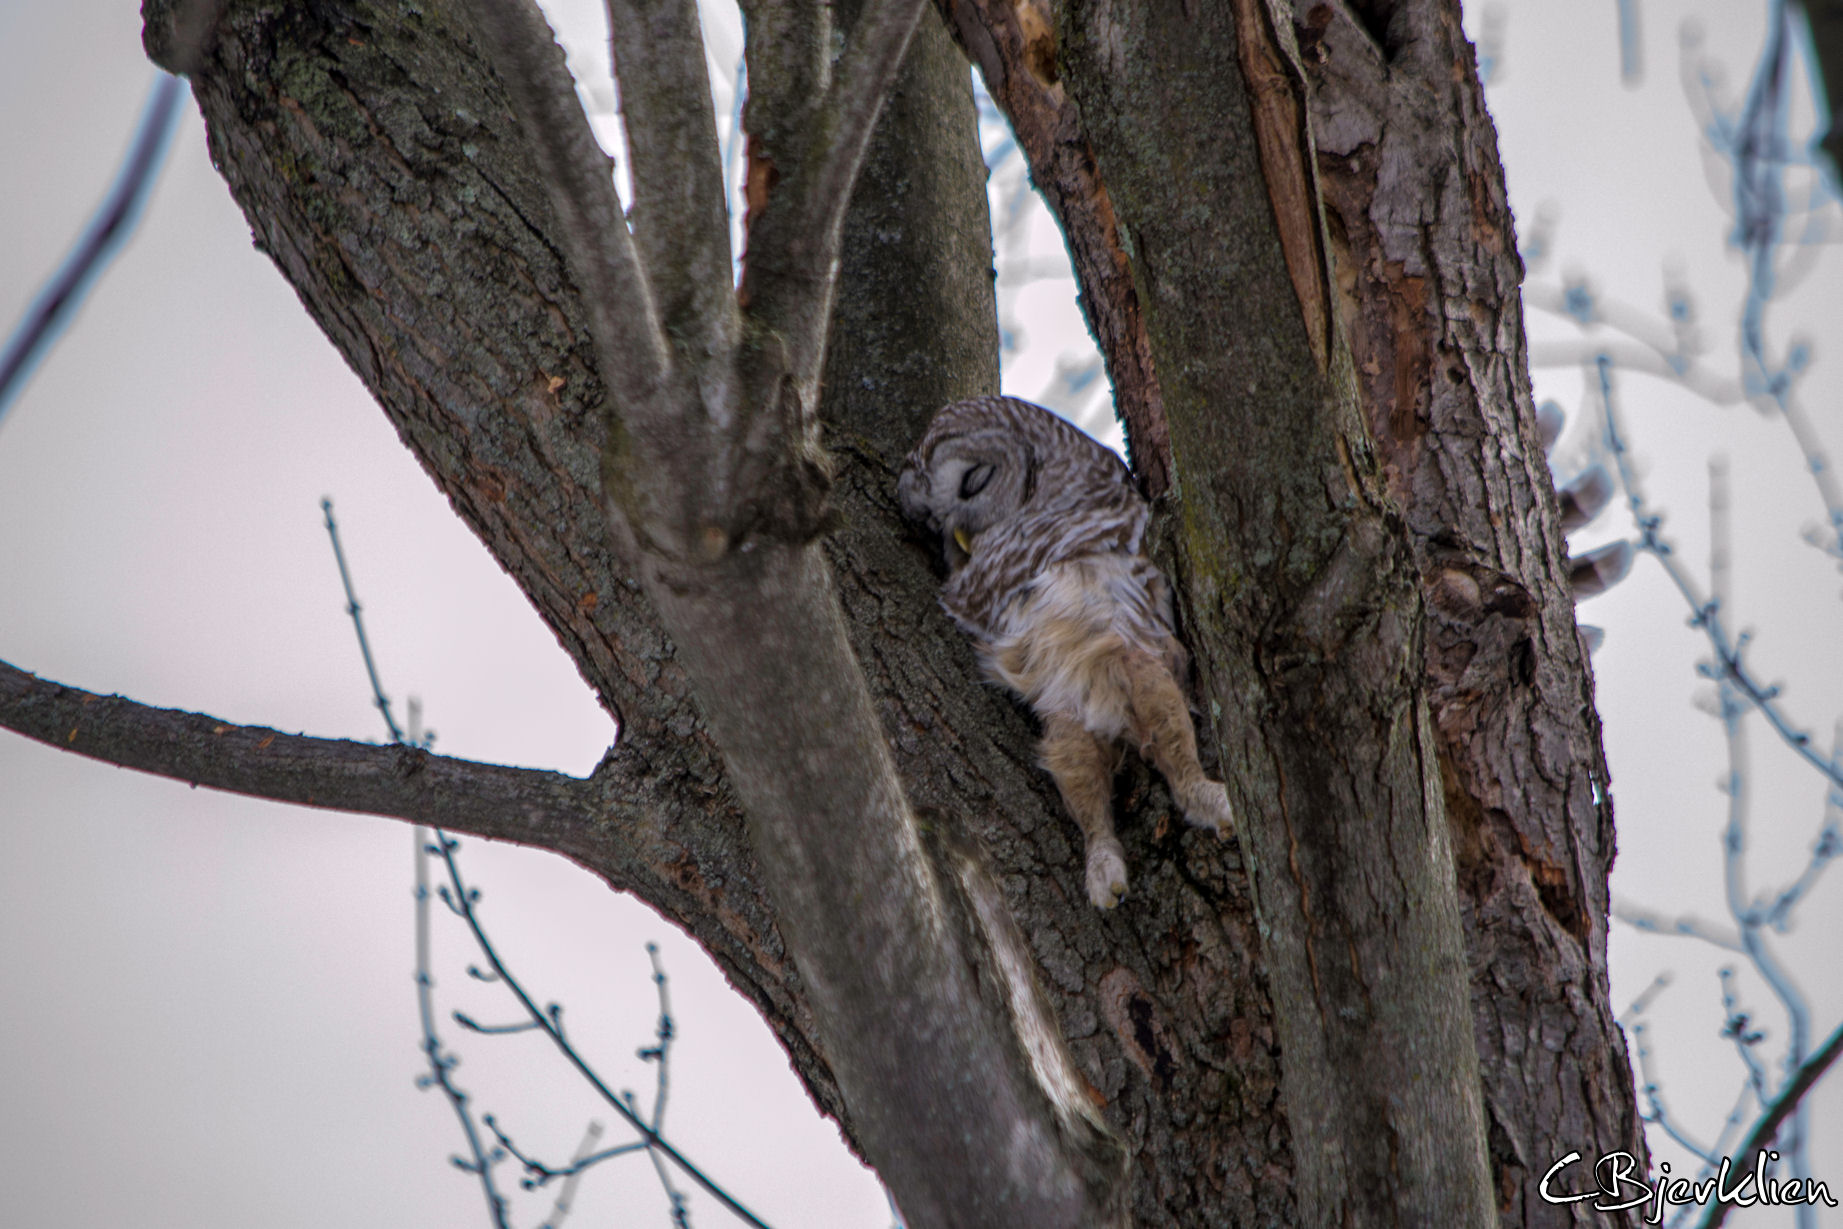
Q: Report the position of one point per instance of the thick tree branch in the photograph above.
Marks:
(525, 805)
(632, 823)
(793, 249)
(749, 600)
(1306, 624)
(874, 50)
(1428, 271)
(588, 210)
(680, 218)
(866, 915)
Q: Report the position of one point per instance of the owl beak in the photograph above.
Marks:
(963, 540)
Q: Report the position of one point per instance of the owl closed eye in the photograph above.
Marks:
(1043, 533)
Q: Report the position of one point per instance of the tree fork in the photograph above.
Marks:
(327, 119)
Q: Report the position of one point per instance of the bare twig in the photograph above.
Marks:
(354, 610)
(462, 900)
(1705, 615)
(1790, 1097)
(441, 1062)
(1737, 1026)
(113, 222)
(537, 1173)
(1686, 925)
(1653, 1092)
(566, 1194)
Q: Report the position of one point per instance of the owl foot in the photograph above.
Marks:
(1106, 873)
(1206, 805)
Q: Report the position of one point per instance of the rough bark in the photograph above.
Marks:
(1304, 612)
(1429, 272)
(379, 167)
(351, 178)
(1427, 275)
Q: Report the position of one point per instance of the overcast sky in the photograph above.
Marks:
(209, 1016)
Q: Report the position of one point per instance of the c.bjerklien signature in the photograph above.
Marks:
(1620, 1186)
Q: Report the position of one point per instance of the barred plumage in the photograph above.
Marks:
(1043, 531)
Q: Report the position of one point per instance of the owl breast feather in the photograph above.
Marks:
(1053, 613)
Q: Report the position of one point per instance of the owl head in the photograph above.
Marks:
(966, 475)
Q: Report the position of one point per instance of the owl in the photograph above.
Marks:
(1043, 533)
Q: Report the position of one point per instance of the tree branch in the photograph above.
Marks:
(681, 222)
(1802, 1081)
(1015, 49)
(793, 252)
(525, 805)
(865, 72)
(602, 260)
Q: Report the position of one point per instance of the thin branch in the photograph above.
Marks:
(527, 805)
(661, 1053)
(1824, 850)
(1818, 463)
(1737, 1027)
(599, 249)
(1788, 1100)
(1653, 1091)
(461, 899)
(102, 239)
(1687, 925)
(566, 1197)
(663, 1033)
(441, 1062)
(538, 1174)
(1705, 614)
(354, 611)
(1641, 358)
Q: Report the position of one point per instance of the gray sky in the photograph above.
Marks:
(209, 1012)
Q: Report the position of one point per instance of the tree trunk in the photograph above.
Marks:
(1429, 271)
(372, 153)
(1426, 279)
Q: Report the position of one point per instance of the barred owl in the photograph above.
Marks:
(1042, 530)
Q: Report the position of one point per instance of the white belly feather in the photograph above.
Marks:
(1061, 642)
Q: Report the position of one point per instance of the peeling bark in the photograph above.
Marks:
(1426, 278)
(1429, 274)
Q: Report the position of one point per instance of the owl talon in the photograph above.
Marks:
(1208, 807)
(1106, 875)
